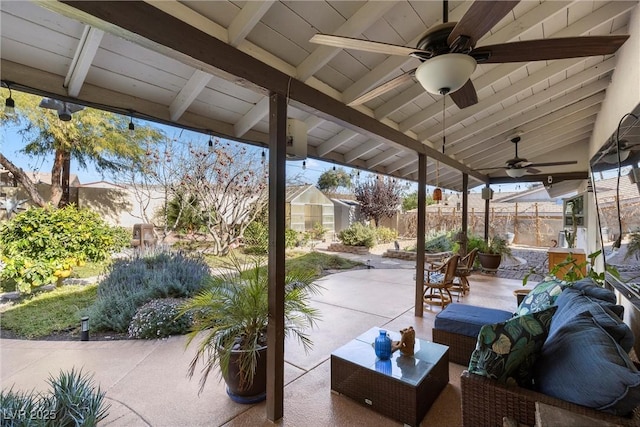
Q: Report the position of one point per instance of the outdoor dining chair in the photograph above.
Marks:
(465, 266)
(439, 280)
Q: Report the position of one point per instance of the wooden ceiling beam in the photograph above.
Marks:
(248, 17)
(82, 59)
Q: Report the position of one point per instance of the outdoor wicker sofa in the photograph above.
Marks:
(582, 364)
(485, 402)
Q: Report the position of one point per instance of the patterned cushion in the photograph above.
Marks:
(583, 364)
(506, 351)
(543, 296)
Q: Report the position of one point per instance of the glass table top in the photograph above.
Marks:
(409, 369)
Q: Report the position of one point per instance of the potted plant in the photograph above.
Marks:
(230, 319)
(490, 253)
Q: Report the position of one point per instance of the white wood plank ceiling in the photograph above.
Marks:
(51, 47)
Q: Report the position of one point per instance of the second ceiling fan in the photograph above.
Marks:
(449, 54)
(519, 166)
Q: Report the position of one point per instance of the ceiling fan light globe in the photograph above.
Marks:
(516, 173)
(448, 72)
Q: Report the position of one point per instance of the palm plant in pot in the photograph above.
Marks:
(230, 319)
(490, 253)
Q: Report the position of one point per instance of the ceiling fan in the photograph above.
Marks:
(449, 54)
(518, 166)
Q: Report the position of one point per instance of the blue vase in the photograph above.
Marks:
(382, 345)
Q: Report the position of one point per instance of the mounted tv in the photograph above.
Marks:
(615, 177)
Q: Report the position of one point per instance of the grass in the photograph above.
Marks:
(49, 312)
(318, 262)
(90, 269)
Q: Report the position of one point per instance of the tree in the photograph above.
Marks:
(217, 191)
(92, 137)
(410, 201)
(379, 197)
(333, 179)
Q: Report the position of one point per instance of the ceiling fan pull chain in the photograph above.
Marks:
(444, 138)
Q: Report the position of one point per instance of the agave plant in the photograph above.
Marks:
(230, 317)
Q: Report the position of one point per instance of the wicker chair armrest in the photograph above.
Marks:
(485, 402)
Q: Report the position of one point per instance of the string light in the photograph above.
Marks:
(9, 104)
(264, 156)
(304, 165)
(132, 127)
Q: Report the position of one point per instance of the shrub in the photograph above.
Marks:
(40, 245)
(290, 238)
(386, 234)
(439, 243)
(157, 319)
(318, 231)
(358, 234)
(73, 401)
(256, 238)
(132, 282)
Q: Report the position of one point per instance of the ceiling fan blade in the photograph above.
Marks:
(545, 49)
(365, 45)
(533, 171)
(383, 88)
(479, 19)
(518, 161)
(490, 169)
(466, 96)
(540, 165)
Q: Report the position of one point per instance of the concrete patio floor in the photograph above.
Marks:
(146, 382)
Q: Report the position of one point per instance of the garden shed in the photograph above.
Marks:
(307, 206)
(346, 213)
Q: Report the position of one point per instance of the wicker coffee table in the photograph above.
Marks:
(403, 388)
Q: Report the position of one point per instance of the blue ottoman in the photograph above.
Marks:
(458, 325)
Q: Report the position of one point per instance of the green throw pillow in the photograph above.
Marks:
(506, 351)
(543, 296)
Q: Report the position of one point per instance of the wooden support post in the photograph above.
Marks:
(465, 213)
(275, 328)
(421, 226)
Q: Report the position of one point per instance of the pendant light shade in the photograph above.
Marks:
(448, 72)
(613, 157)
(437, 194)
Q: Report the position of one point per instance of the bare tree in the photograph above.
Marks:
(379, 197)
(220, 190)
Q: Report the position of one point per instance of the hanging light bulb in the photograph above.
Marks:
(264, 156)
(9, 104)
(132, 127)
(334, 168)
(304, 165)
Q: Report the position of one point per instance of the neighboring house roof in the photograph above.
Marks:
(45, 178)
(102, 184)
(476, 203)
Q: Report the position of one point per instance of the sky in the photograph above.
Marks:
(11, 143)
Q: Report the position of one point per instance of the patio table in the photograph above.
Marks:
(403, 387)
